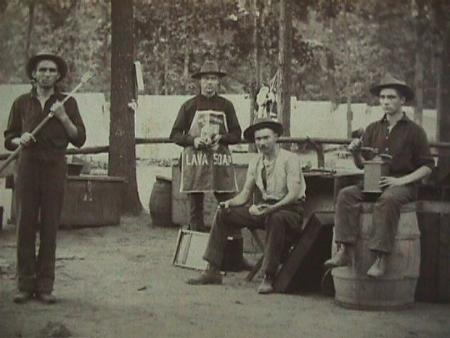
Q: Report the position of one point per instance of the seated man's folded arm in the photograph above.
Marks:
(245, 194)
(293, 183)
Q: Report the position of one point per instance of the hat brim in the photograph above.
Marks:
(249, 133)
(406, 91)
(198, 75)
(34, 60)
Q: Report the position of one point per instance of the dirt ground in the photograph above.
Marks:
(119, 282)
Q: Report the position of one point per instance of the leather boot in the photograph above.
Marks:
(266, 285)
(22, 297)
(207, 277)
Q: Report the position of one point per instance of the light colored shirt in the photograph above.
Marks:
(285, 169)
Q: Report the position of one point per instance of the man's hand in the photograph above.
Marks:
(388, 181)
(215, 139)
(199, 142)
(260, 210)
(355, 145)
(26, 139)
(58, 110)
(224, 204)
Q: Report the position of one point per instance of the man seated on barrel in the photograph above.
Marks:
(277, 174)
(406, 142)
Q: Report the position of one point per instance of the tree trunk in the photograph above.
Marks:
(284, 66)
(349, 116)
(256, 81)
(31, 7)
(166, 69)
(444, 115)
(330, 84)
(122, 152)
(437, 51)
(418, 69)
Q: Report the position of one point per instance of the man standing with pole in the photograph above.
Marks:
(41, 171)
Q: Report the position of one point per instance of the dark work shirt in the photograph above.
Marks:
(180, 129)
(407, 144)
(26, 113)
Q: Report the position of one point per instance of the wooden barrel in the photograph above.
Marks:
(434, 224)
(160, 203)
(396, 288)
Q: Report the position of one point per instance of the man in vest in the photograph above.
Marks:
(276, 173)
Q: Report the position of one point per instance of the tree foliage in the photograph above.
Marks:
(339, 47)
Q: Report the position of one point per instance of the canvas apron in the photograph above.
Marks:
(210, 169)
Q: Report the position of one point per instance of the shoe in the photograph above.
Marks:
(266, 286)
(378, 268)
(207, 277)
(340, 259)
(22, 297)
(46, 298)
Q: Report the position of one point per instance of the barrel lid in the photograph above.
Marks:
(96, 178)
(408, 207)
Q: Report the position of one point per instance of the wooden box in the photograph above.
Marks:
(92, 201)
(373, 171)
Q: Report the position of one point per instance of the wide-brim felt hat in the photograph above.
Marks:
(391, 82)
(35, 59)
(262, 123)
(209, 67)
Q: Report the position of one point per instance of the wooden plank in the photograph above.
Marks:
(292, 264)
(437, 207)
(255, 270)
(429, 241)
(444, 259)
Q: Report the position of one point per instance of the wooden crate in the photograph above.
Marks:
(92, 201)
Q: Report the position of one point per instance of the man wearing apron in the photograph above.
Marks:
(206, 124)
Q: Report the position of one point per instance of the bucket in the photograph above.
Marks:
(232, 259)
(160, 204)
(396, 288)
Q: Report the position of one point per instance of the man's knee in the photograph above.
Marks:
(348, 193)
(228, 216)
(276, 220)
(387, 199)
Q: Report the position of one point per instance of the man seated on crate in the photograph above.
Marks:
(277, 174)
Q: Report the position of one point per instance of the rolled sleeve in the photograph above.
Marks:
(179, 133)
(234, 129)
(422, 155)
(14, 127)
(75, 117)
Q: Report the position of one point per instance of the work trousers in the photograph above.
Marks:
(39, 196)
(196, 221)
(278, 225)
(386, 214)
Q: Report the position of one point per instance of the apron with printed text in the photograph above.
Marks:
(210, 169)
